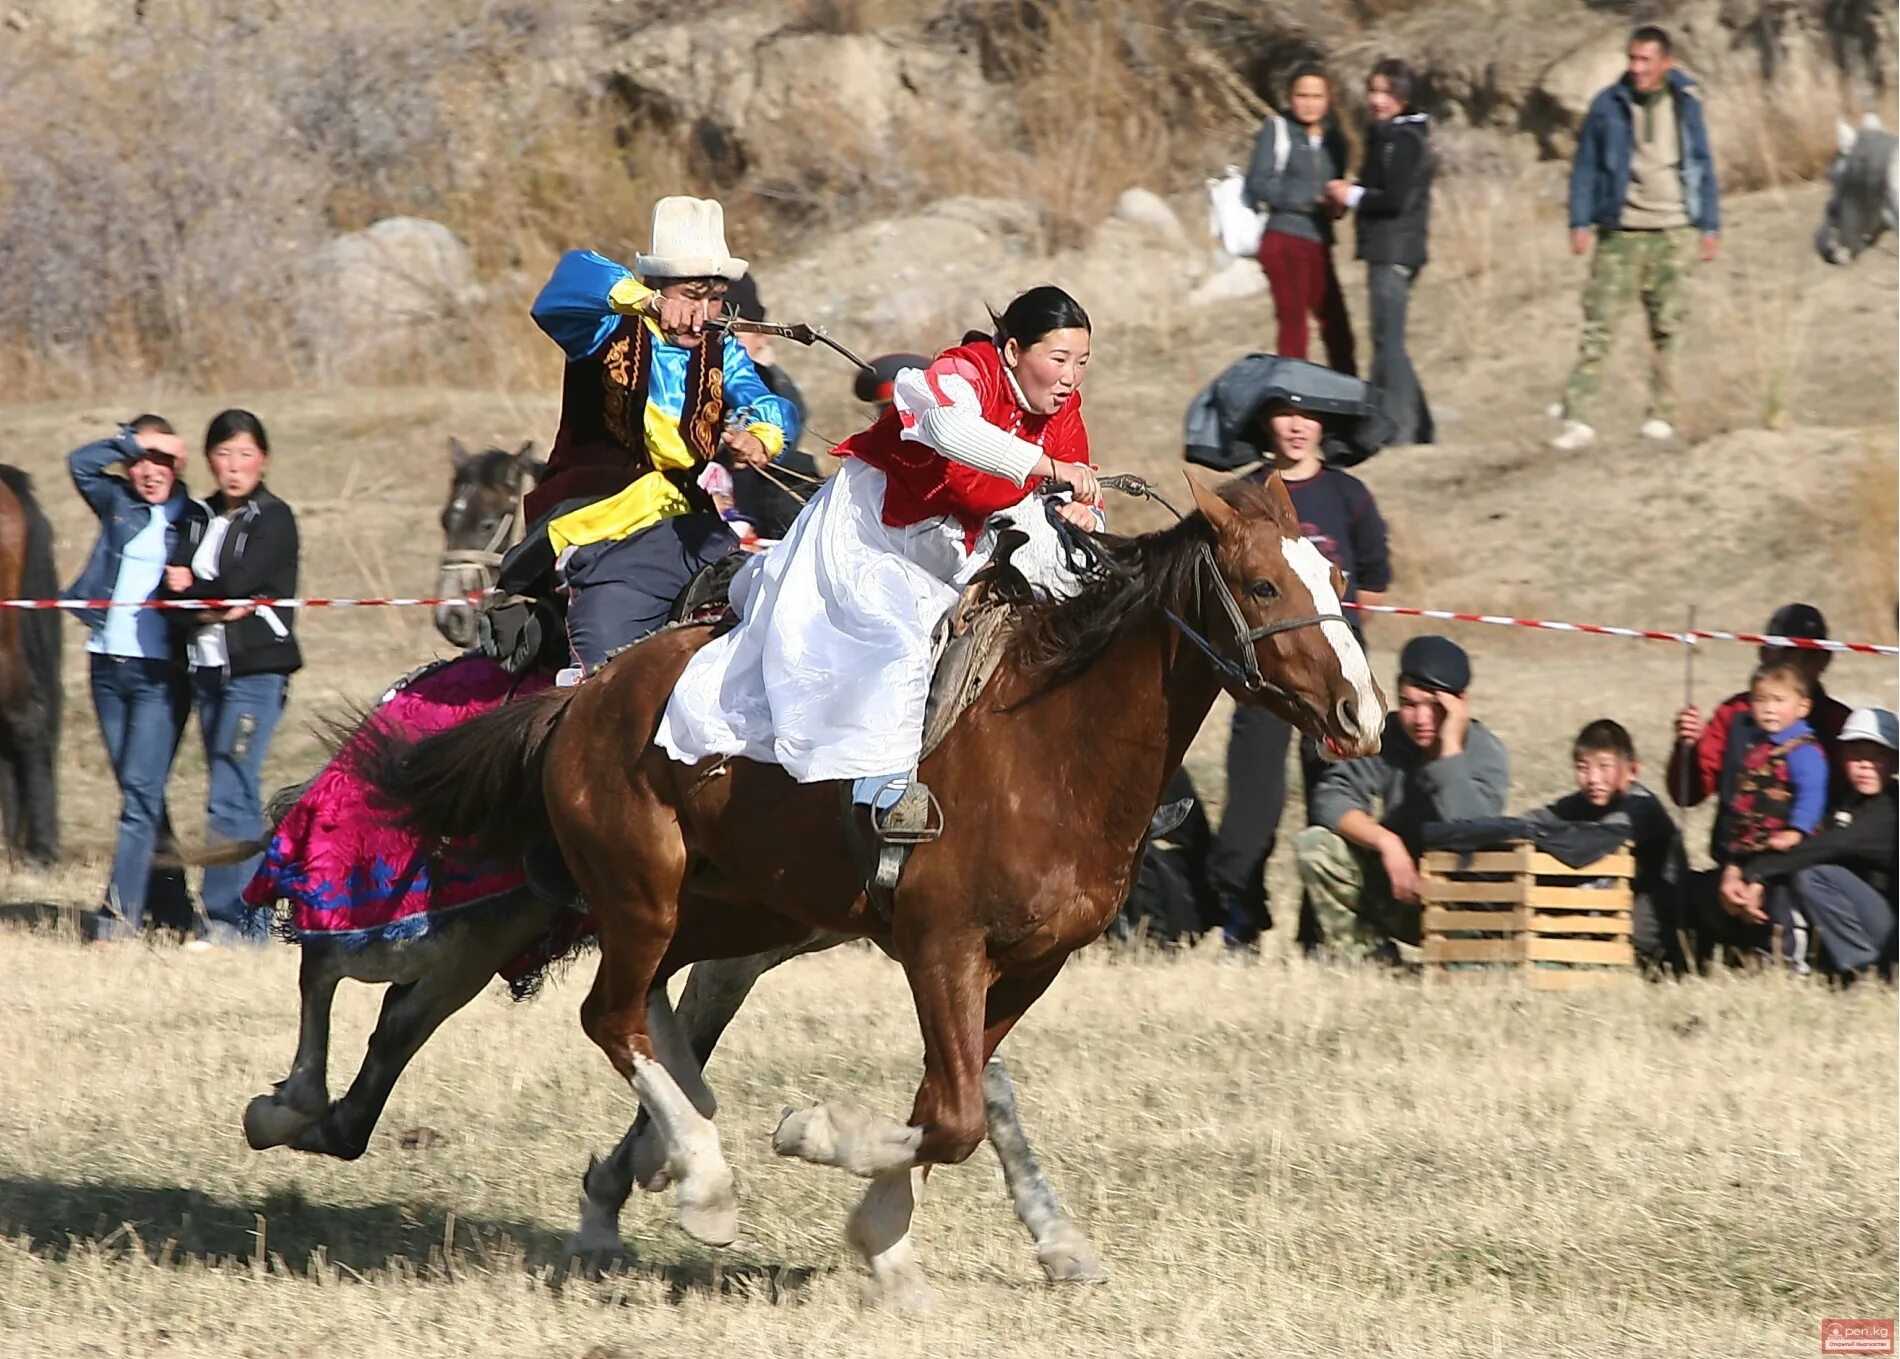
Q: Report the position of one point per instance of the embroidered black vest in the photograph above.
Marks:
(601, 446)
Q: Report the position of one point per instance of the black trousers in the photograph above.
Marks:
(1250, 823)
(618, 592)
(1389, 292)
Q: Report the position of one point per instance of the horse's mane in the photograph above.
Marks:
(1059, 639)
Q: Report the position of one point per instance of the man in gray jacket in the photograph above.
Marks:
(1359, 859)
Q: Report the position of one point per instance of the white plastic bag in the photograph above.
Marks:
(1230, 220)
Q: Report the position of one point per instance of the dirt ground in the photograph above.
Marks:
(1275, 1159)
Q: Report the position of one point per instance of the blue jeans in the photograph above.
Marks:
(142, 706)
(236, 716)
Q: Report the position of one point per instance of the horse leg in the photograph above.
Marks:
(12, 824)
(1062, 1249)
(640, 1157)
(636, 899)
(714, 992)
(301, 1098)
(39, 792)
(433, 983)
(945, 1125)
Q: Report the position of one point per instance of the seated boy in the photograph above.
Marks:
(1603, 758)
(1774, 791)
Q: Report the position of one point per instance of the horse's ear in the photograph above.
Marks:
(1282, 501)
(1218, 512)
(1844, 135)
(459, 457)
(526, 464)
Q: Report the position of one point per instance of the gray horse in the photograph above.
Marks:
(1864, 197)
(436, 974)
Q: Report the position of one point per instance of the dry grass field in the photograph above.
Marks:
(1272, 1160)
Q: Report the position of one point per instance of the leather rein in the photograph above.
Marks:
(1242, 669)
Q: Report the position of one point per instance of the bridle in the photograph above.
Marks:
(483, 564)
(1240, 670)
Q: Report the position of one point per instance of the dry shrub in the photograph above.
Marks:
(1111, 94)
(1860, 510)
(1766, 134)
(1496, 241)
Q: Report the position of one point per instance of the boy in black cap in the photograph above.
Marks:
(1359, 860)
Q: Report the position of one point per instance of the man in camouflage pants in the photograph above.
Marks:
(1643, 187)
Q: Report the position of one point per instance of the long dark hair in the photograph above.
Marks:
(229, 424)
(1399, 80)
(1037, 312)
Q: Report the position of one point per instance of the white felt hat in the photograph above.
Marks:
(689, 241)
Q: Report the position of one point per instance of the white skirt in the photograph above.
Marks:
(828, 669)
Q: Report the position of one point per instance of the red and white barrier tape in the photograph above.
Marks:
(201, 604)
(1689, 638)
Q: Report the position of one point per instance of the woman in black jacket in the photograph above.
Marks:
(242, 658)
(1393, 200)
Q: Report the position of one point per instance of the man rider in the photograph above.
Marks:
(650, 395)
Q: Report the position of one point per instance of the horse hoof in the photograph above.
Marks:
(269, 1123)
(1071, 1262)
(806, 1134)
(710, 1215)
(594, 1252)
(909, 1294)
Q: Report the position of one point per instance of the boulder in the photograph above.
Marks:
(1145, 208)
(369, 291)
(1234, 280)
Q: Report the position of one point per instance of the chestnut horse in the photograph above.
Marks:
(29, 678)
(1047, 783)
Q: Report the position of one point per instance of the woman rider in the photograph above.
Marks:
(829, 669)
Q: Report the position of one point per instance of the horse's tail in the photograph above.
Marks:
(480, 780)
(227, 852)
(39, 628)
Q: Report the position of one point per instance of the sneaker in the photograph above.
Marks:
(1657, 429)
(200, 946)
(1575, 435)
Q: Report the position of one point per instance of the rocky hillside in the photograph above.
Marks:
(964, 142)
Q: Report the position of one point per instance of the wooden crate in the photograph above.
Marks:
(1516, 908)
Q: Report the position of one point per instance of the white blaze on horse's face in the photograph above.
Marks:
(1316, 573)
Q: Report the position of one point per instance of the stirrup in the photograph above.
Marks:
(914, 819)
(1168, 817)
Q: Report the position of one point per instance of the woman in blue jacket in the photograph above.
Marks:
(138, 683)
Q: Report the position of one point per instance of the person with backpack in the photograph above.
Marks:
(1294, 158)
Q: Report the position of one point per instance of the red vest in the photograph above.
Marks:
(924, 484)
